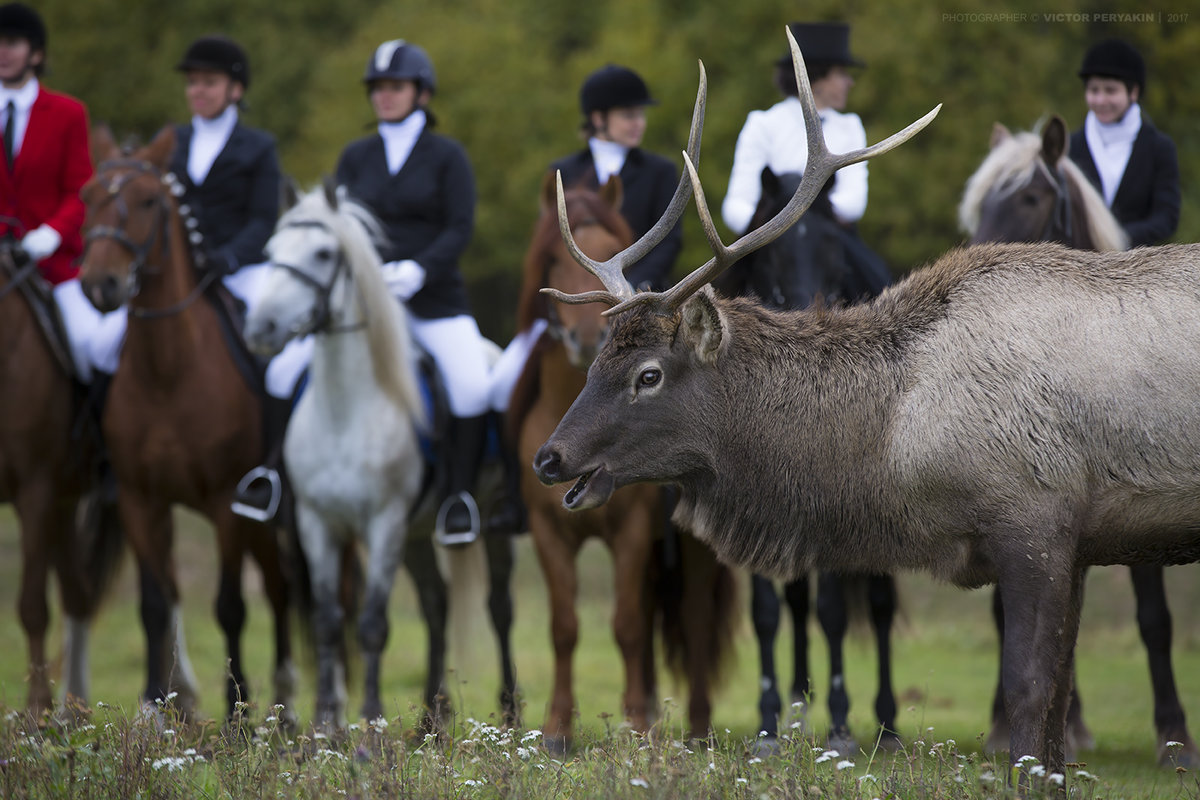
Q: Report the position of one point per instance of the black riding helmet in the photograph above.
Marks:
(401, 61)
(613, 86)
(20, 21)
(1115, 58)
(220, 54)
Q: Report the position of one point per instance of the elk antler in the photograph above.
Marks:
(612, 272)
(821, 165)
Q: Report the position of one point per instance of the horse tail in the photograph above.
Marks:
(697, 598)
(466, 574)
(101, 543)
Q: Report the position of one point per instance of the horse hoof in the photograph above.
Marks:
(841, 741)
(556, 746)
(1179, 753)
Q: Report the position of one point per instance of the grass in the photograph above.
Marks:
(944, 669)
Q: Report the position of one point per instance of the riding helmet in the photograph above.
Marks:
(613, 86)
(19, 20)
(218, 53)
(401, 61)
(1114, 58)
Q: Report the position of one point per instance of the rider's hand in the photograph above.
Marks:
(404, 278)
(41, 242)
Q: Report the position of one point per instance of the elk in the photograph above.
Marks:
(1010, 414)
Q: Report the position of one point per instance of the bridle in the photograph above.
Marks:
(321, 320)
(159, 230)
(1058, 227)
(17, 276)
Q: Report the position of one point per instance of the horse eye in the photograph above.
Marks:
(324, 254)
(1029, 199)
(650, 377)
(149, 202)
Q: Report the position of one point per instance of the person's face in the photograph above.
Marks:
(393, 100)
(17, 60)
(832, 90)
(210, 92)
(625, 125)
(1108, 98)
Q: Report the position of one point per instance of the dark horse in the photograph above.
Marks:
(182, 422)
(661, 578)
(815, 261)
(45, 471)
(1028, 190)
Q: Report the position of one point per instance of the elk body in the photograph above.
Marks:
(1011, 414)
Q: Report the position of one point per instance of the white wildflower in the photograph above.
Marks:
(755, 760)
(844, 764)
(1037, 770)
(642, 782)
(1025, 760)
(741, 780)
(1056, 778)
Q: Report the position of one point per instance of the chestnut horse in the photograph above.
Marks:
(632, 524)
(1029, 190)
(45, 470)
(181, 423)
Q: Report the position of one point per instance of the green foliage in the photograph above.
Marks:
(509, 73)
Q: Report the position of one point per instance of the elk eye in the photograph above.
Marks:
(650, 377)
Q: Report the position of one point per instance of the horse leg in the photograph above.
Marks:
(385, 544)
(420, 560)
(796, 595)
(500, 608)
(881, 599)
(700, 625)
(148, 526)
(764, 613)
(267, 554)
(631, 552)
(833, 616)
(324, 555)
(230, 605)
(557, 559)
(39, 524)
(1154, 623)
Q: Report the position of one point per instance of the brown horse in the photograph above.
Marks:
(45, 470)
(631, 526)
(181, 422)
(1029, 190)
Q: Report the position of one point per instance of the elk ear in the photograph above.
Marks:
(1000, 134)
(703, 325)
(1054, 140)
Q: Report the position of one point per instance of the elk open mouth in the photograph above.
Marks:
(592, 489)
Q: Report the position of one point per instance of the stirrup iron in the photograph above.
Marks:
(457, 538)
(243, 509)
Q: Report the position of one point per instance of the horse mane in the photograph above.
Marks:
(1010, 165)
(389, 340)
(583, 204)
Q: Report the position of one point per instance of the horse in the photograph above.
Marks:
(1027, 190)
(181, 421)
(46, 472)
(815, 261)
(655, 575)
(353, 452)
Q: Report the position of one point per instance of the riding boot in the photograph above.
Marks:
(260, 490)
(458, 517)
(508, 517)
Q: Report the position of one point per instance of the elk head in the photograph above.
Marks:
(658, 389)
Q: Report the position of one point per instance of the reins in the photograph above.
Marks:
(19, 276)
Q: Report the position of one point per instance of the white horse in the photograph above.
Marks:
(352, 450)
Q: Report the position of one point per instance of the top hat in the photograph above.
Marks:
(825, 42)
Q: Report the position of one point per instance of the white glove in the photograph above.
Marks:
(404, 278)
(41, 242)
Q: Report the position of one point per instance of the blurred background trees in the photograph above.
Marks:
(509, 72)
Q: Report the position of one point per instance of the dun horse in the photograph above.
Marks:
(353, 453)
(696, 615)
(45, 469)
(815, 262)
(181, 422)
(1029, 190)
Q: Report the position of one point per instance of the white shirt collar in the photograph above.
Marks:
(209, 137)
(1111, 145)
(22, 98)
(608, 158)
(399, 138)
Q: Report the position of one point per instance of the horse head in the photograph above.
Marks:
(601, 232)
(129, 206)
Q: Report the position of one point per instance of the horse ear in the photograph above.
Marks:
(329, 186)
(289, 193)
(159, 151)
(1054, 140)
(549, 193)
(770, 182)
(703, 325)
(102, 144)
(1000, 134)
(613, 191)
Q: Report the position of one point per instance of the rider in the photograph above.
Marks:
(421, 187)
(231, 181)
(40, 178)
(613, 100)
(1117, 135)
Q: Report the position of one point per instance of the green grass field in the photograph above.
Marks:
(945, 658)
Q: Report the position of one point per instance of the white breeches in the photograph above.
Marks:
(507, 370)
(457, 348)
(82, 321)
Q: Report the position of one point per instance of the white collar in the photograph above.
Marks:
(399, 138)
(608, 158)
(219, 126)
(21, 98)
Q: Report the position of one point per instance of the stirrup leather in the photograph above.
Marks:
(243, 509)
(457, 538)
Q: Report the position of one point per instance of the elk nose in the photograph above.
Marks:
(547, 464)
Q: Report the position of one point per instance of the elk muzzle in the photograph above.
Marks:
(593, 487)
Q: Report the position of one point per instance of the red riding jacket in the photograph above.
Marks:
(43, 186)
